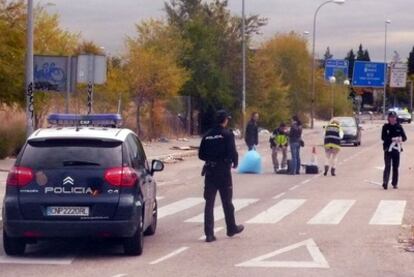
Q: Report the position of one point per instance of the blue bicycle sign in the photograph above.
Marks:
(50, 73)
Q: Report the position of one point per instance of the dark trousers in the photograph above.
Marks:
(295, 152)
(221, 182)
(391, 159)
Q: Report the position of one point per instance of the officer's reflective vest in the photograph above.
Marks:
(281, 140)
(333, 136)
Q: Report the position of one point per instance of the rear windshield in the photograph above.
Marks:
(72, 153)
(347, 122)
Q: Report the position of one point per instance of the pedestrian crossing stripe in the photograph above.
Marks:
(333, 213)
(218, 210)
(179, 206)
(388, 212)
(277, 212)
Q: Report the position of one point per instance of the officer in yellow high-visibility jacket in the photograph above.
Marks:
(332, 144)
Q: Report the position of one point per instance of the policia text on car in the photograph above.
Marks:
(218, 150)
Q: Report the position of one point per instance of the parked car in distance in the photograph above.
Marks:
(352, 130)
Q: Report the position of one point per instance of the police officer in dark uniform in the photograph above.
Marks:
(392, 135)
(218, 150)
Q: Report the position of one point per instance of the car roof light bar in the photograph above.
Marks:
(95, 120)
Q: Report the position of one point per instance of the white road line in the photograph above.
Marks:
(333, 213)
(36, 261)
(216, 230)
(294, 187)
(277, 212)
(318, 260)
(179, 206)
(389, 212)
(305, 182)
(169, 256)
(120, 275)
(373, 183)
(160, 198)
(218, 211)
(166, 183)
(279, 195)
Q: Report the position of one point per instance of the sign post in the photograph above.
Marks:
(91, 71)
(29, 70)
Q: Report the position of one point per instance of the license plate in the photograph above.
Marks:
(67, 211)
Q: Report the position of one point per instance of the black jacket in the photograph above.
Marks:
(252, 133)
(392, 131)
(295, 134)
(219, 146)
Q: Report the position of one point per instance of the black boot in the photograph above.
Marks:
(333, 172)
(210, 238)
(385, 186)
(326, 170)
(238, 229)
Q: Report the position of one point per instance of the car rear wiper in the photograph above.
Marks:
(75, 163)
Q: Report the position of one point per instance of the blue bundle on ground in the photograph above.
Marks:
(251, 163)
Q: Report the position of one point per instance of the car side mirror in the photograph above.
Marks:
(157, 166)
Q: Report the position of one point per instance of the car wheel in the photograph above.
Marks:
(153, 227)
(134, 245)
(13, 246)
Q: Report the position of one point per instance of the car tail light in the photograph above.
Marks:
(20, 176)
(121, 177)
(32, 234)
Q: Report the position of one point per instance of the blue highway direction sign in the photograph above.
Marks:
(337, 68)
(368, 74)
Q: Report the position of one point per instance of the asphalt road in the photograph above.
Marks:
(306, 225)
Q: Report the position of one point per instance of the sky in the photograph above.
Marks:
(341, 27)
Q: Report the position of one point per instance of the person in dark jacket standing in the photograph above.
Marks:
(392, 135)
(218, 150)
(252, 131)
(295, 141)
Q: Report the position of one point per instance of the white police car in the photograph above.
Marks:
(82, 177)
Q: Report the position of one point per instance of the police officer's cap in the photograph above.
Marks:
(221, 115)
(392, 114)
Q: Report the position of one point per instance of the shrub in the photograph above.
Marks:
(12, 131)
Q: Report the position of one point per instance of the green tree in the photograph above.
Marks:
(291, 61)
(411, 63)
(152, 70)
(12, 52)
(267, 93)
(327, 56)
(212, 54)
(367, 56)
(350, 57)
(360, 53)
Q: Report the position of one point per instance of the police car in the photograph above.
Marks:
(82, 177)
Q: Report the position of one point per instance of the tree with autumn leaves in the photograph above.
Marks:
(195, 52)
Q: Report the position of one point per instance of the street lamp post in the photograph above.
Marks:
(332, 81)
(244, 67)
(387, 22)
(411, 95)
(339, 2)
(29, 70)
